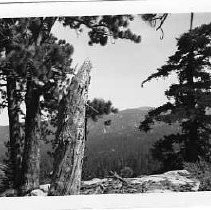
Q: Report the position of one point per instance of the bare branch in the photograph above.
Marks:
(162, 20)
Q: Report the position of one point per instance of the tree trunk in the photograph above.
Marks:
(31, 156)
(71, 136)
(14, 132)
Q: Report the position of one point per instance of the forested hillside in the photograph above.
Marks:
(121, 144)
(113, 147)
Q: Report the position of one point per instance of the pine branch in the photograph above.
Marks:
(162, 20)
(164, 71)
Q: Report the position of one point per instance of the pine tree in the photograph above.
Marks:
(53, 61)
(188, 101)
(32, 69)
(11, 95)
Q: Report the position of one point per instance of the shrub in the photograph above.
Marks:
(202, 171)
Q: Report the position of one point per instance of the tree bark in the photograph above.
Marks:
(71, 136)
(31, 156)
(14, 132)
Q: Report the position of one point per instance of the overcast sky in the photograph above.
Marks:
(119, 69)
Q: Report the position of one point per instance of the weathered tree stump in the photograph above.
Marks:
(71, 135)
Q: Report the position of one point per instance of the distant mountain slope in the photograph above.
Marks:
(115, 146)
(122, 144)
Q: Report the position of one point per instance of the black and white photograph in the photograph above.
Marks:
(105, 104)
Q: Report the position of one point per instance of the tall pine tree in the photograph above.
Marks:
(189, 101)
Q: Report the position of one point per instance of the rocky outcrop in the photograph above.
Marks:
(172, 181)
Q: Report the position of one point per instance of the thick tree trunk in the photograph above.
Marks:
(71, 136)
(31, 156)
(192, 146)
(14, 132)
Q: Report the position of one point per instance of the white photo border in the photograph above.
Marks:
(88, 8)
(193, 200)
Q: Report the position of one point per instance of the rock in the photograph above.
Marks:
(37, 192)
(42, 191)
(172, 181)
(95, 181)
(45, 187)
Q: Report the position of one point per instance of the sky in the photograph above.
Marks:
(120, 67)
